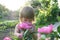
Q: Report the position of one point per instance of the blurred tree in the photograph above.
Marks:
(59, 13)
(46, 11)
(3, 11)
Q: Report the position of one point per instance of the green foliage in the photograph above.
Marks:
(3, 11)
(7, 24)
(47, 11)
(27, 35)
(58, 29)
(35, 3)
(58, 17)
(15, 38)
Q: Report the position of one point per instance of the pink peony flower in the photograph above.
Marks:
(25, 25)
(50, 28)
(45, 29)
(7, 38)
(42, 30)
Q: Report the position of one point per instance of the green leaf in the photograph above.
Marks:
(58, 29)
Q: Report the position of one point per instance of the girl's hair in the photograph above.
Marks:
(27, 12)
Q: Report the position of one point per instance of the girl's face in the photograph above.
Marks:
(26, 19)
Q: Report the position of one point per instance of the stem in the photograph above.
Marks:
(56, 38)
(52, 38)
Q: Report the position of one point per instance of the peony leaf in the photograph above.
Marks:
(26, 32)
(58, 29)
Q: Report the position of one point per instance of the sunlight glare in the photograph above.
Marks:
(59, 3)
(13, 4)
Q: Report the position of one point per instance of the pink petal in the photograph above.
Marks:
(46, 29)
(7, 38)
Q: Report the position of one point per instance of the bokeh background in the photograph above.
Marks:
(46, 12)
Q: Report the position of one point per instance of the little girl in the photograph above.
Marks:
(26, 17)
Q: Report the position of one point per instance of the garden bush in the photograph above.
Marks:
(58, 29)
(46, 12)
(8, 24)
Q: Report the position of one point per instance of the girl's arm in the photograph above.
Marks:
(16, 32)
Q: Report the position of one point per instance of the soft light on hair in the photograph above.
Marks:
(27, 12)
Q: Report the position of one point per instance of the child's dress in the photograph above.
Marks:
(22, 27)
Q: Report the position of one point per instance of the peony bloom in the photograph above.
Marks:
(45, 29)
(50, 28)
(25, 25)
(42, 30)
(7, 38)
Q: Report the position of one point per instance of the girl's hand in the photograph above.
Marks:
(20, 35)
